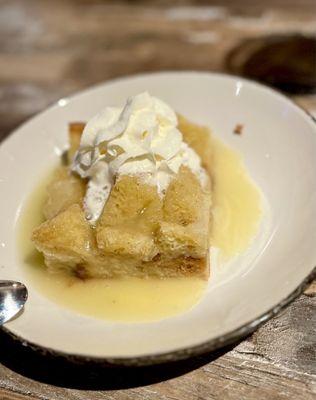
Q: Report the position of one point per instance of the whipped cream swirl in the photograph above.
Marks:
(140, 139)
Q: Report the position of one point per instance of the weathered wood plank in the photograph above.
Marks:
(47, 55)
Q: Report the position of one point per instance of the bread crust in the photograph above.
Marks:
(139, 233)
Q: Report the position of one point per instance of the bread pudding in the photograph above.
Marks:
(134, 198)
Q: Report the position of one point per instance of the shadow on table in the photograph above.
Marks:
(57, 370)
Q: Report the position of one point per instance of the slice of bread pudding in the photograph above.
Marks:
(139, 232)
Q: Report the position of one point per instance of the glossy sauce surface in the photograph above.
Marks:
(237, 203)
(236, 217)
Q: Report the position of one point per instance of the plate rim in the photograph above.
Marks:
(84, 91)
(174, 355)
(189, 351)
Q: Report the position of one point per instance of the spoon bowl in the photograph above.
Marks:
(13, 296)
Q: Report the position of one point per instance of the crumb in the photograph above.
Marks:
(238, 129)
(80, 272)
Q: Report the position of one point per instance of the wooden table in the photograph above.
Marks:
(49, 49)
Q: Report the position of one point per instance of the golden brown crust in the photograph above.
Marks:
(126, 242)
(133, 204)
(67, 238)
(199, 139)
(64, 190)
(183, 200)
(75, 130)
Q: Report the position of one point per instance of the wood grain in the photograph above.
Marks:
(50, 49)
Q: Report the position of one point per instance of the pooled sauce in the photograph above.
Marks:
(237, 205)
(236, 216)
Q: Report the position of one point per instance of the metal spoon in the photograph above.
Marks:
(13, 296)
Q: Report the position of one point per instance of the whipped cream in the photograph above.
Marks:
(139, 139)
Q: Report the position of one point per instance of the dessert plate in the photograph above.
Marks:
(278, 145)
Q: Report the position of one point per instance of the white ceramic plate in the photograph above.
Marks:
(279, 149)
